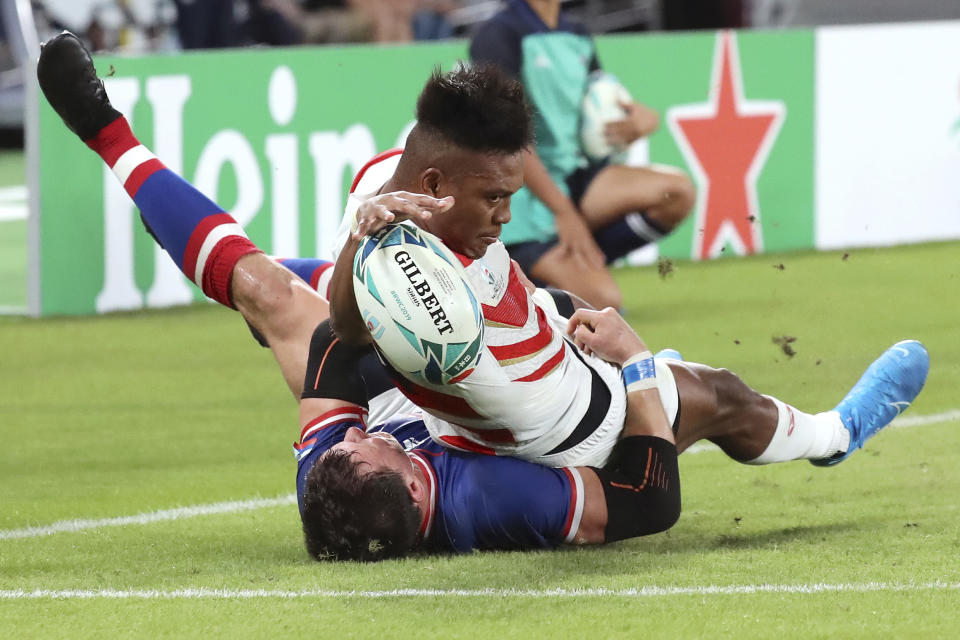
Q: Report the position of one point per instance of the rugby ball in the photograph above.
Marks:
(601, 104)
(413, 296)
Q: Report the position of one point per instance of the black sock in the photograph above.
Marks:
(633, 231)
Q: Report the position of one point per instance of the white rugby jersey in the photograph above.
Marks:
(530, 394)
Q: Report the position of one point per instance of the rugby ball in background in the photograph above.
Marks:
(601, 104)
(413, 296)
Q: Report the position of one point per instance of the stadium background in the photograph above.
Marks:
(137, 414)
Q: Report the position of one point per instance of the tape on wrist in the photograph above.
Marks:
(639, 372)
(355, 202)
(354, 222)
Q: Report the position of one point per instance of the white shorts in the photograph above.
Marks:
(596, 448)
(592, 451)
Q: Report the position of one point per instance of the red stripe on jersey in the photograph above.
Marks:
(427, 399)
(572, 508)
(459, 442)
(547, 366)
(529, 346)
(496, 436)
(353, 412)
(139, 175)
(315, 276)
(427, 524)
(113, 141)
(195, 243)
(464, 260)
(513, 308)
(380, 157)
(300, 446)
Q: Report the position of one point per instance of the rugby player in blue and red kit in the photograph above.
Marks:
(454, 500)
(385, 501)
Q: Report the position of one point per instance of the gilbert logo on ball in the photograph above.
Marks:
(414, 298)
(600, 105)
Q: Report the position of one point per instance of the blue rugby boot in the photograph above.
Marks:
(884, 391)
(668, 354)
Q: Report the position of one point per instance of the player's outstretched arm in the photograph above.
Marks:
(638, 491)
(372, 216)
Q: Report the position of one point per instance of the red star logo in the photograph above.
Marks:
(725, 141)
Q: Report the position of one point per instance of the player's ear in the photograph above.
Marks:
(416, 489)
(431, 181)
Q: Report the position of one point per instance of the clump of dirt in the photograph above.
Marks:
(785, 343)
(664, 267)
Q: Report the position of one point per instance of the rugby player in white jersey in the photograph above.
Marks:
(534, 394)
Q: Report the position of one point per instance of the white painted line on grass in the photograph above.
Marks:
(16, 193)
(638, 592)
(147, 518)
(919, 421)
(65, 526)
(11, 212)
(903, 422)
(13, 203)
(12, 310)
(700, 447)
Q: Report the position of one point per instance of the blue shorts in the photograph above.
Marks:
(578, 181)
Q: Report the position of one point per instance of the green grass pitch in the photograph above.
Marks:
(142, 413)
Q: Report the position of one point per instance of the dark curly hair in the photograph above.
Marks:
(351, 516)
(476, 107)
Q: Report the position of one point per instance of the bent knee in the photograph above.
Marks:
(595, 285)
(685, 193)
(681, 196)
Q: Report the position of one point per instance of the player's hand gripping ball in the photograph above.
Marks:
(413, 295)
(601, 104)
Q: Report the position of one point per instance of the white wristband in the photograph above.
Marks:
(354, 201)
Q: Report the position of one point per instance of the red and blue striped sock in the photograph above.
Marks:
(202, 239)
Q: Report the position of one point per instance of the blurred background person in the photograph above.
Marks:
(431, 20)
(213, 24)
(575, 215)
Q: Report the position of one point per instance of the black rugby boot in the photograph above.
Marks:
(70, 83)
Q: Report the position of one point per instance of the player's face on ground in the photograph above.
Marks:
(376, 451)
(481, 184)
